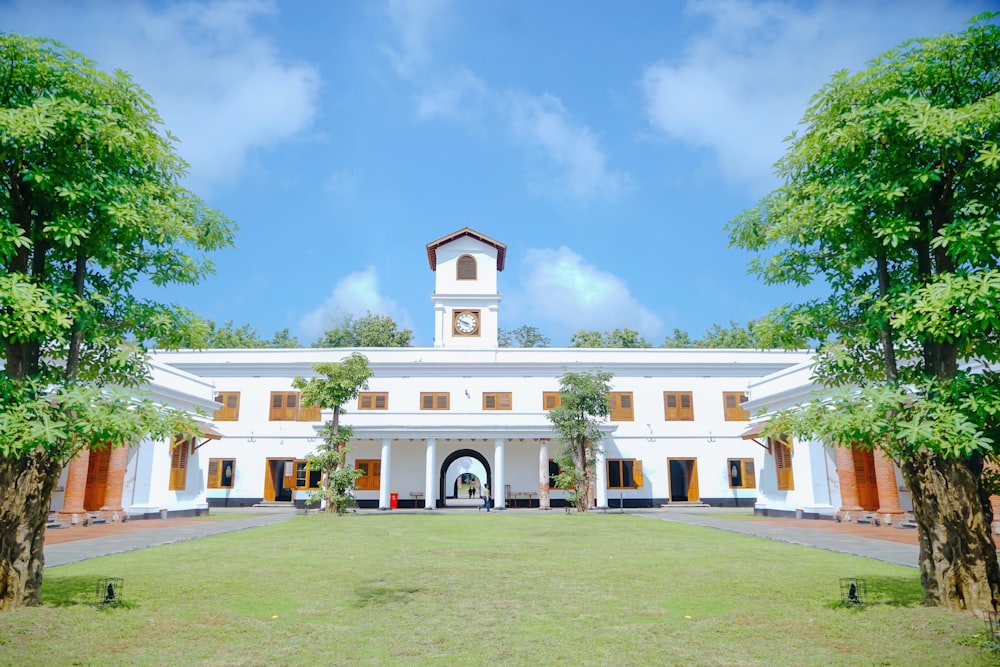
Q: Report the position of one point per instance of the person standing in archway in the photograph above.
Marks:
(486, 497)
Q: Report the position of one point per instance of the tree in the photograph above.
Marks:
(89, 206)
(890, 196)
(523, 336)
(679, 338)
(371, 330)
(583, 407)
(335, 385)
(229, 336)
(616, 338)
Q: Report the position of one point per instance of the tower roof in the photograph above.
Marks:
(434, 245)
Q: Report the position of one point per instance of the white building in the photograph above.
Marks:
(467, 406)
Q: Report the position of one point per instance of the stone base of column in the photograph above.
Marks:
(72, 518)
(890, 517)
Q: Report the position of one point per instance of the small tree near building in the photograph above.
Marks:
(583, 407)
(335, 384)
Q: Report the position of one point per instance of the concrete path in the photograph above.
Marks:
(77, 550)
(817, 535)
(814, 536)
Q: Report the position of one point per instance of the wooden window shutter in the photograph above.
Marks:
(749, 476)
(489, 401)
(230, 410)
(277, 412)
(381, 401)
(214, 473)
(550, 400)
(733, 402)
(427, 401)
(678, 406)
(466, 269)
(178, 465)
(637, 473)
(620, 403)
(783, 464)
(365, 402)
(373, 400)
(497, 400)
(442, 401)
(309, 413)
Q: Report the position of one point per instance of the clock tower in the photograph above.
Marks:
(466, 300)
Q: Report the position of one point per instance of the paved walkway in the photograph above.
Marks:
(893, 545)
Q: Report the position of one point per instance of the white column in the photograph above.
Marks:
(430, 488)
(600, 480)
(543, 474)
(499, 492)
(383, 478)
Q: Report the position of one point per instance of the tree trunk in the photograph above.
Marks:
(26, 485)
(958, 559)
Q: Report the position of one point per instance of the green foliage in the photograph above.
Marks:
(523, 336)
(889, 198)
(756, 335)
(371, 330)
(334, 385)
(583, 408)
(230, 337)
(90, 206)
(616, 338)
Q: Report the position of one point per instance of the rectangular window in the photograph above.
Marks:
(373, 472)
(497, 400)
(781, 446)
(620, 403)
(285, 407)
(550, 399)
(678, 406)
(221, 473)
(733, 402)
(230, 410)
(430, 400)
(624, 473)
(305, 478)
(741, 474)
(373, 400)
(178, 463)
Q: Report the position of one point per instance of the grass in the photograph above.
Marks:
(516, 589)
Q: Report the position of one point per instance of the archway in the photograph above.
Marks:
(451, 458)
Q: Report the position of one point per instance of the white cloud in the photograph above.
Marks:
(355, 294)
(745, 82)
(542, 124)
(571, 161)
(416, 23)
(219, 84)
(561, 289)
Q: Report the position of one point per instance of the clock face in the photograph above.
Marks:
(466, 323)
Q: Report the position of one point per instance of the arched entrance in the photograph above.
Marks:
(442, 495)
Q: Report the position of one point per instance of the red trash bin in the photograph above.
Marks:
(393, 501)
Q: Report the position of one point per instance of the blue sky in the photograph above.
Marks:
(606, 143)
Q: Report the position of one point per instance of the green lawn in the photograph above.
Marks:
(514, 589)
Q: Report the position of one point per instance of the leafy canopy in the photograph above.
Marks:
(90, 205)
(616, 338)
(370, 330)
(891, 197)
(523, 336)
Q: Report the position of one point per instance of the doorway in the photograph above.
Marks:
(97, 479)
(279, 480)
(463, 462)
(683, 480)
(864, 476)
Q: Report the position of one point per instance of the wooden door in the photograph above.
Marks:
(683, 480)
(864, 474)
(97, 479)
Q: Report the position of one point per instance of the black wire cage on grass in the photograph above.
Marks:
(853, 592)
(110, 591)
